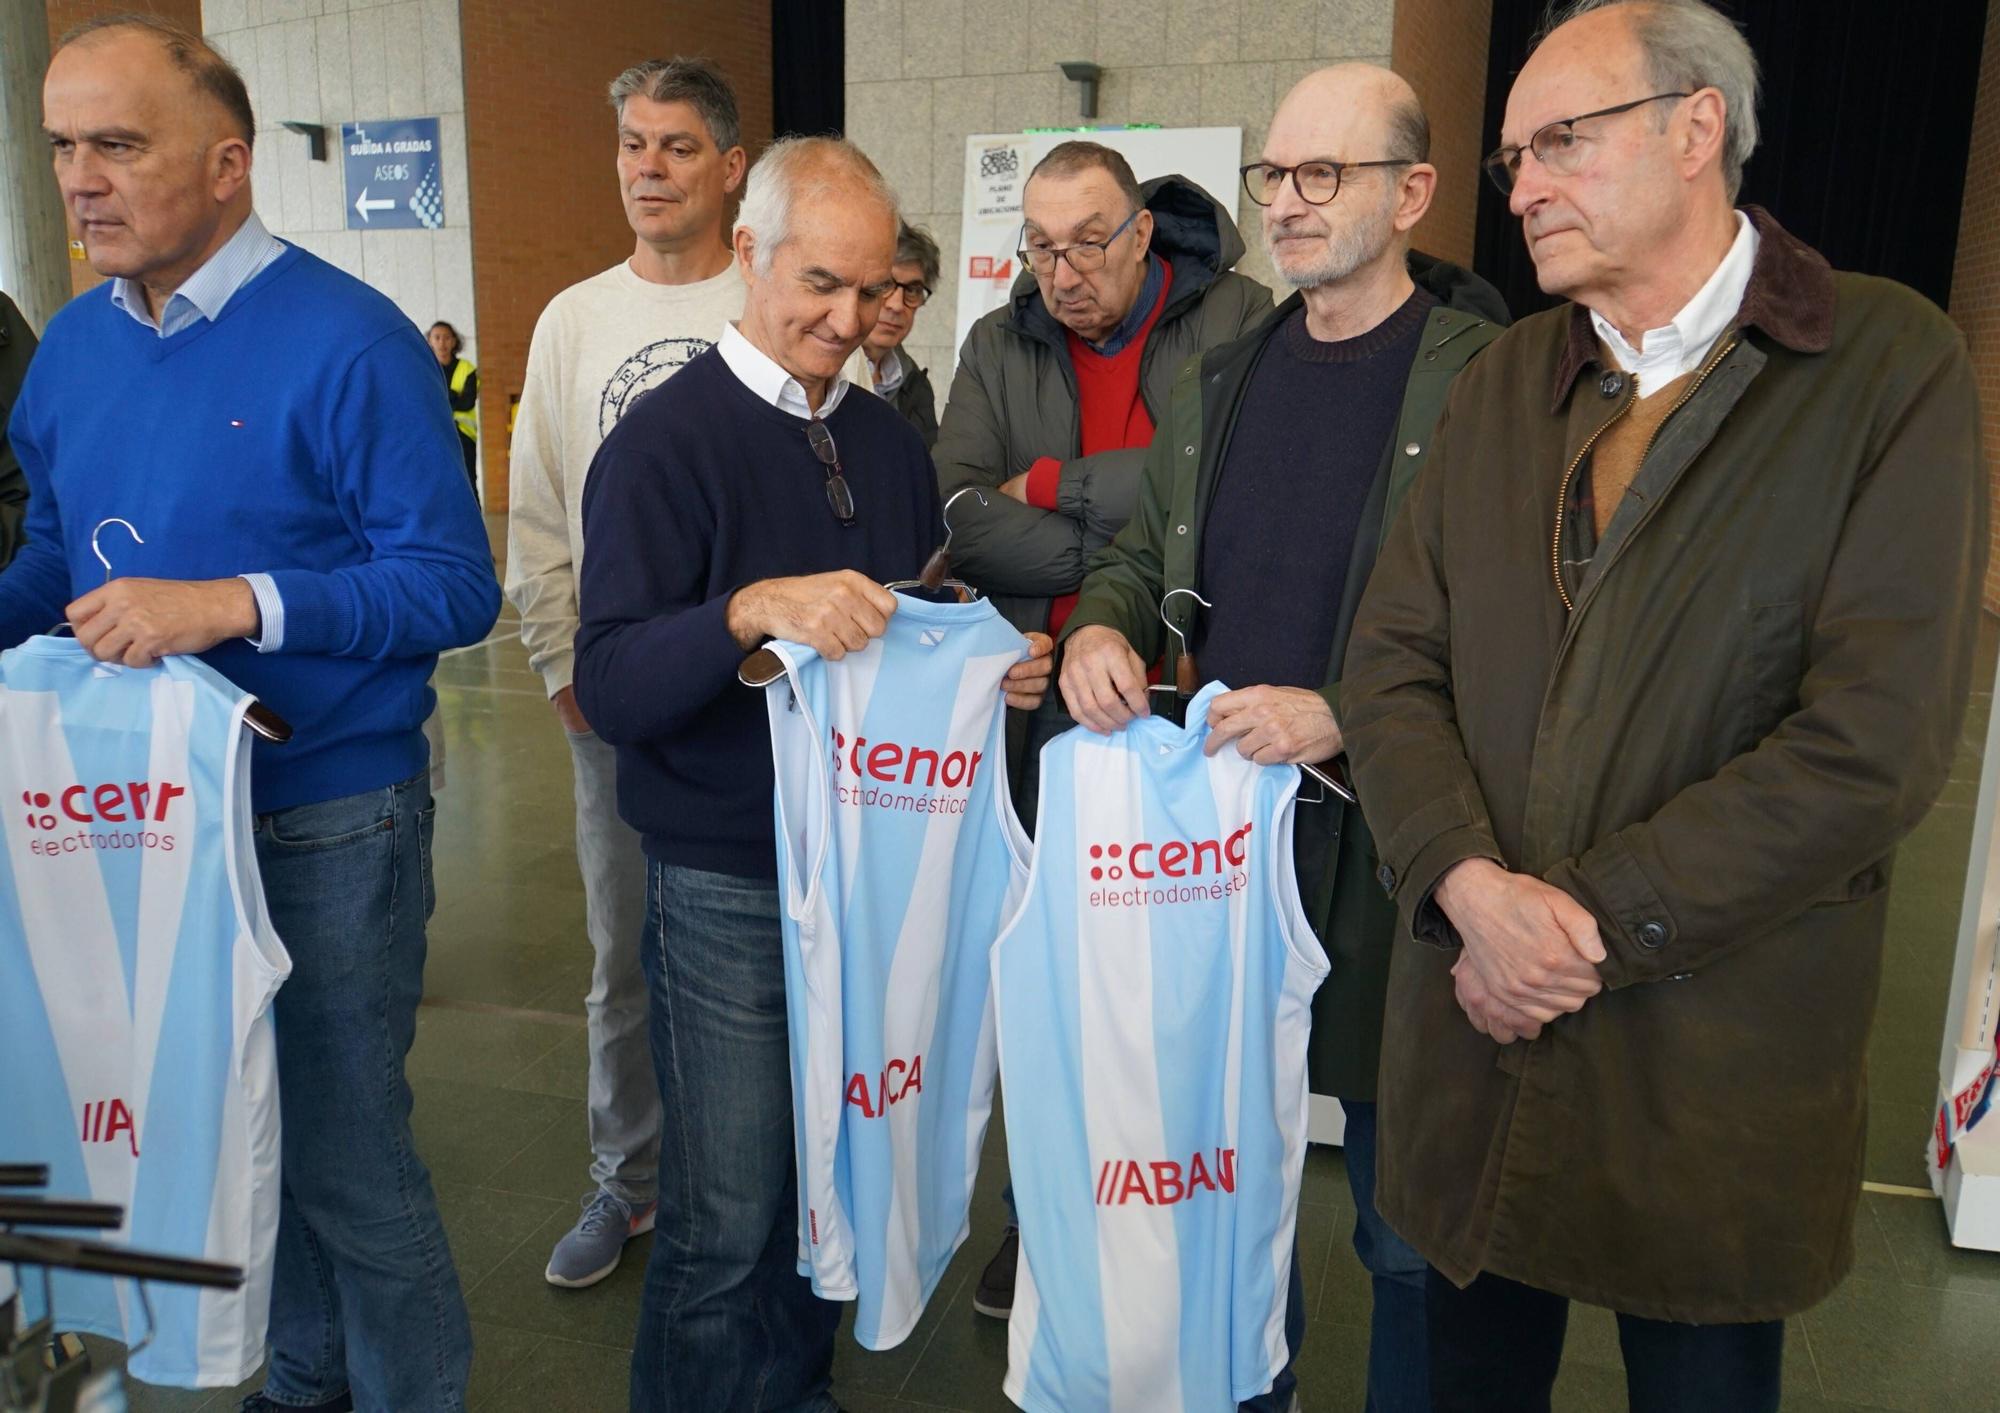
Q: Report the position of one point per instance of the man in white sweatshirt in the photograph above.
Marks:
(598, 347)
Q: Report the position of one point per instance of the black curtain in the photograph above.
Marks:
(1865, 123)
(808, 67)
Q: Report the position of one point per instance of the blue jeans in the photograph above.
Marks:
(364, 1297)
(1398, 1346)
(727, 1322)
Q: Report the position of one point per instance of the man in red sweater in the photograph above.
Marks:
(1053, 406)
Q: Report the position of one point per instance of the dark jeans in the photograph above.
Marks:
(1398, 1354)
(727, 1322)
(1496, 1345)
(363, 1294)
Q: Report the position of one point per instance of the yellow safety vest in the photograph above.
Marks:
(468, 421)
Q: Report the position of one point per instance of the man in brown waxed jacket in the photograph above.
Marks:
(1668, 651)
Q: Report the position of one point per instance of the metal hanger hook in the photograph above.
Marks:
(1171, 628)
(94, 549)
(945, 514)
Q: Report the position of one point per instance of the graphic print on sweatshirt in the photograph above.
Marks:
(641, 373)
(137, 968)
(1153, 999)
(899, 857)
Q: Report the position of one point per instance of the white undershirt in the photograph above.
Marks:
(1679, 347)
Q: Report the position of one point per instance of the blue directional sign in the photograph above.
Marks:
(395, 175)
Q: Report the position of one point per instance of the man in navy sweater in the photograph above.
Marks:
(307, 533)
(754, 495)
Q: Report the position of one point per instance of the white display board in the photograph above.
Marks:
(997, 167)
(1963, 1148)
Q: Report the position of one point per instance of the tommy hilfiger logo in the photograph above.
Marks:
(136, 803)
(1162, 1184)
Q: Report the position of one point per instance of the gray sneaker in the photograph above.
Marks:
(590, 1250)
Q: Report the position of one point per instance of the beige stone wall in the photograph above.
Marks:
(924, 74)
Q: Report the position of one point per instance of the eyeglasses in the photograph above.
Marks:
(914, 293)
(1316, 182)
(1084, 257)
(839, 499)
(1558, 146)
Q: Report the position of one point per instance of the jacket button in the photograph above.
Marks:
(1386, 876)
(1188, 449)
(1652, 936)
(1411, 449)
(1180, 529)
(1611, 384)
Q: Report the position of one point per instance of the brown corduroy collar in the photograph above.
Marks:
(1790, 298)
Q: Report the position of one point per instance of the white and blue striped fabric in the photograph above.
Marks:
(899, 858)
(1154, 1001)
(137, 967)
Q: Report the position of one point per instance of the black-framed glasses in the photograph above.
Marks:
(1558, 146)
(915, 292)
(1084, 257)
(839, 499)
(1317, 182)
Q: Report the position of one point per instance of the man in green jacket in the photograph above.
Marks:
(1667, 652)
(17, 346)
(1058, 391)
(1282, 457)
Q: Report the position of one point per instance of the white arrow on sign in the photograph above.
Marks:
(363, 205)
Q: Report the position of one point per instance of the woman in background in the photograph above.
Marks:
(462, 386)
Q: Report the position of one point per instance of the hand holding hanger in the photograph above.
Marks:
(834, 614)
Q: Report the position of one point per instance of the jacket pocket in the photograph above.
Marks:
(1776, 660)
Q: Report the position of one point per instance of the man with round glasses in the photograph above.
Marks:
(1667, 652)
(1284, 456)
(893, 373)
(1055, 399)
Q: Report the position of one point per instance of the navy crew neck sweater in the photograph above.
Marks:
(1302, 458)
(700, 490)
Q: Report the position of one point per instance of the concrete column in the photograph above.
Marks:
(34, 243)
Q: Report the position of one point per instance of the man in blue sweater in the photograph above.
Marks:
(754, 495)
(307, 533)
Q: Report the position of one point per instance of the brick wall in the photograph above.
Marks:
(1975, 282)
(66, 15)
(1440, 47)
(542, 152)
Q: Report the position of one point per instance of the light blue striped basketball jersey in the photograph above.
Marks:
(137, 967)
(1154, 1001)
(899, 857)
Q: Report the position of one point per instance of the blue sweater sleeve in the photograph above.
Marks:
(399, 480)
(653, 647)
(35, 587)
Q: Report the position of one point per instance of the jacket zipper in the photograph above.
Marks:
(1562, 496)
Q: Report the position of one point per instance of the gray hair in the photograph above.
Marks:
(914, 246)
(695, 82)
(804, 166)
(1690, 45)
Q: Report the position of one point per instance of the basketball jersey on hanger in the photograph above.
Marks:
(1154, 1002)
(899, 858)
(137, 967)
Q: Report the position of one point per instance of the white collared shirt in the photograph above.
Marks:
(760, 373)
(203, 294)
(1679, 348)
(887, 375)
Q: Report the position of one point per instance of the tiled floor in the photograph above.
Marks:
(499, 1076)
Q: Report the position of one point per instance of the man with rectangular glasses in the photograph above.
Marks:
(1282, 457)
(756, 494)
(891, 370)
(1667, 652)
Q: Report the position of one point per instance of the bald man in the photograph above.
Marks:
(1369, 343)
(307, 533)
